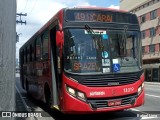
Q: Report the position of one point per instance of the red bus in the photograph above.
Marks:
(85, 60)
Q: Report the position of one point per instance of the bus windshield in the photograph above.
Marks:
(101, 52)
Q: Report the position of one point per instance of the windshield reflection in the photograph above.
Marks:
(101, 52)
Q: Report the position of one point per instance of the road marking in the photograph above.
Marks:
(147, 118)
(153, 95)
(151, 85)
(138, 111)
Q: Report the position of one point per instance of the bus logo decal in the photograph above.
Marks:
(97, 93)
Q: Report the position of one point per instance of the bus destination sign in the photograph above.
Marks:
(84, 16)
(99, 16)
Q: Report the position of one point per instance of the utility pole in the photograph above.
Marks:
(7, 55)
(21, 22)
(20, 18)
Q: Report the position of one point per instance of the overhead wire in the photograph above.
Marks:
(25, 6)
(28, 14)
(30, 11)
(33, 7)
(23, 11)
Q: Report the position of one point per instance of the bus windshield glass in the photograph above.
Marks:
(101, 51)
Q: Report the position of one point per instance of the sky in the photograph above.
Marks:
(40, 11)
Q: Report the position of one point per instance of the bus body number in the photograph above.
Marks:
(127, 90)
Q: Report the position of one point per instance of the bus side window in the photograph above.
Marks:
(24, 56)
(33, 51)
(30, 52)
(45, 45)
(38, 48)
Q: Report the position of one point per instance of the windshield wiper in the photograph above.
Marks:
(91, 32)
(95, 37)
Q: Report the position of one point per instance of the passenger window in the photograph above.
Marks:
(33, 51)
(28, 54)
(38, 48)
(24, 56)
(45, 45)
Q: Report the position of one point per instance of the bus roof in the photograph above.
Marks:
(99, 8)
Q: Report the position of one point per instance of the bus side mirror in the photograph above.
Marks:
(59, 39)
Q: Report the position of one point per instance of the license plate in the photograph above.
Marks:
(114, 103)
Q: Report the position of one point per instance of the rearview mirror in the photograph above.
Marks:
(59, 38)
(59, 41)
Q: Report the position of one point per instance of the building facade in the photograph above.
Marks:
(148, 12)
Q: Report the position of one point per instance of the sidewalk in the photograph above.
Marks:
(20, 107)
(27, 107)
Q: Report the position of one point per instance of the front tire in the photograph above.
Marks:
(47, 96)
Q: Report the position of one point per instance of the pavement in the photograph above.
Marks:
(20, 106)
(152, 83)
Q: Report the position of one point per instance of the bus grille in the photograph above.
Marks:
(103, 103)
(110, 80)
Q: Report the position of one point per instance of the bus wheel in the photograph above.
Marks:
(47, 96)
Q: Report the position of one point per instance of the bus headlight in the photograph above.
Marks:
(140, 88)
(71, 91)
(76, 93)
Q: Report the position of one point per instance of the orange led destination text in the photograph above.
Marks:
(84, 66)
(93, 17)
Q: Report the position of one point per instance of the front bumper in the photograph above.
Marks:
(73, 105)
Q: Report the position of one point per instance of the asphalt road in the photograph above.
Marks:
(152, 98)
(150, 110)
